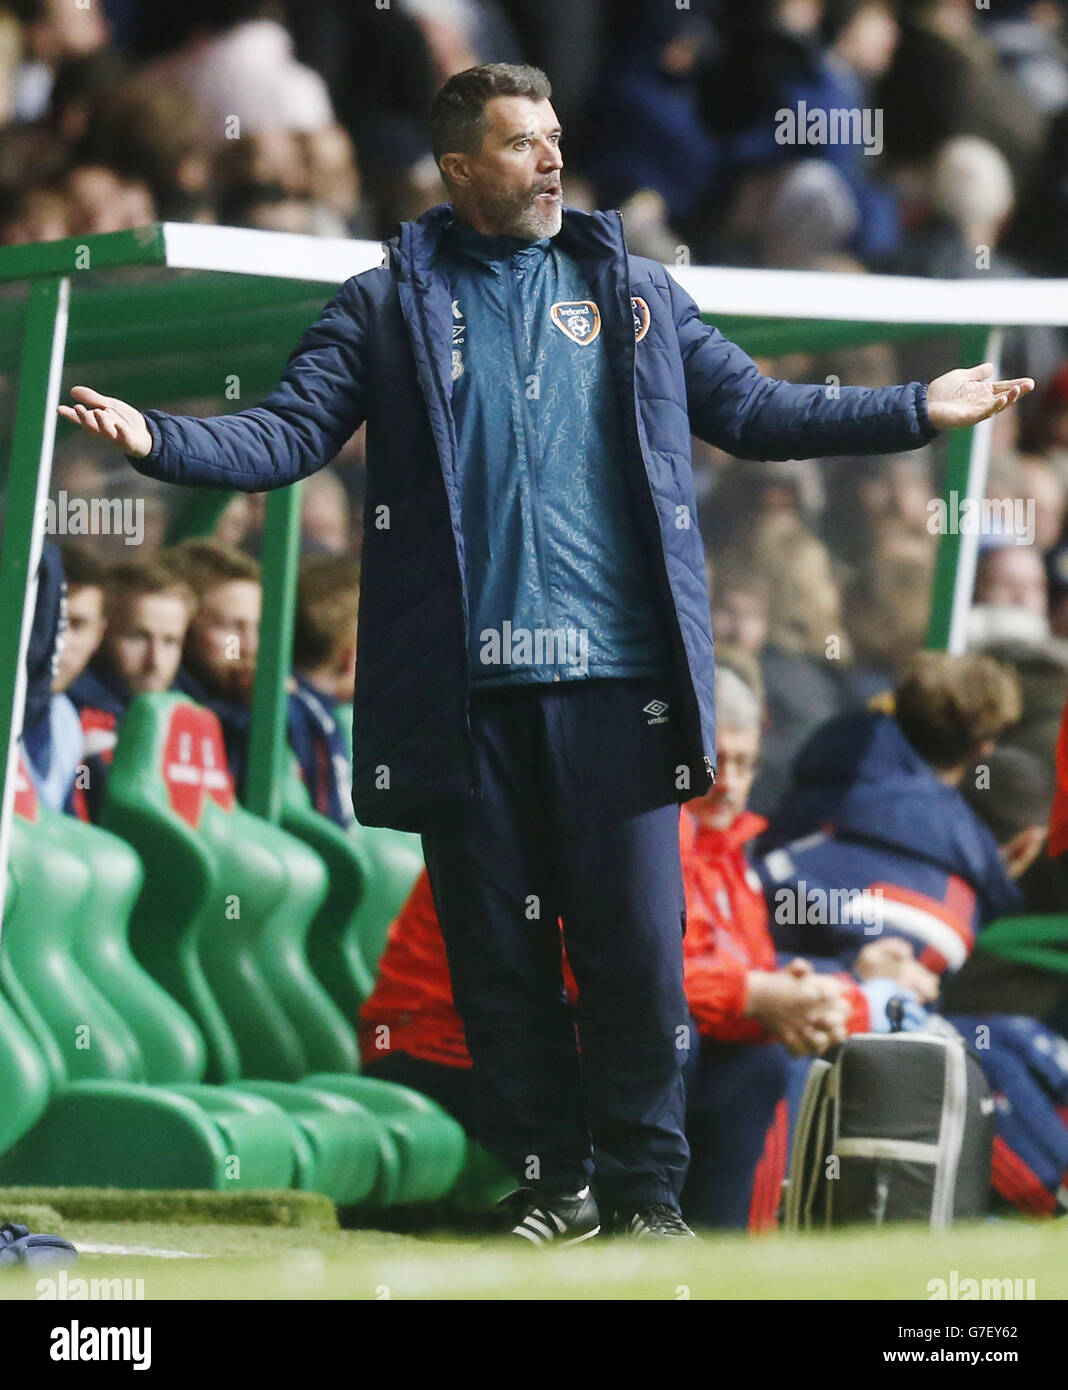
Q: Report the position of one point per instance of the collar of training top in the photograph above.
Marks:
(589, 236)
(460, 236)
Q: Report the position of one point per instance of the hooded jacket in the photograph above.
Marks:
(382, 353)
(866, 814)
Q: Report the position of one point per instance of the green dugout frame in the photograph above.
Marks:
(175, 311)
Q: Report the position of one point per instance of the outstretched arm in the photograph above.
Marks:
(733, 405)
(296, 430)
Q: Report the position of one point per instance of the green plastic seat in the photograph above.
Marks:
(251, 883)
(170, 1045)
(395, 863)
(333, 941)
(326, 1036)
(25, 1083)
(1041, 942)
(431, 1144)
(392, 859)
(102, 1125)
(169, 794)
(179, 887)
(54, 889)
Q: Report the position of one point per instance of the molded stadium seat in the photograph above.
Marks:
(393, 860)
(1041, 942)
(271, 887)
(102, 1125)
(432, 1145)
(25, 1082)
(169, 793)
(333, 942)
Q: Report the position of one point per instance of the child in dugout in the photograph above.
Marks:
(878, 817)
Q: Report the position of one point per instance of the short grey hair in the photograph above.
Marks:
(737, 707)
(458, 111)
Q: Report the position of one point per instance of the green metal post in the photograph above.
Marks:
(267, 752)
(41, 367)
(969, 452)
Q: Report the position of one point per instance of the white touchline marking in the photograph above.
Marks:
(140, 1250)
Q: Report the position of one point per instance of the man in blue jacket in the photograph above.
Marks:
(534, 692)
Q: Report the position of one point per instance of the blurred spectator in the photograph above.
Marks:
(155, 135)
(33, 214)
(1011, 576)
(1030, 41)
(239, 67)
(221, 645)
(740, 608)
(85, 613)
(946, 80)
(50, 740)
(739, 1002)
(147, 610)
(645, 130)
(968, 203)
(324, 513)
(1021, 639)
(867, 495)
(1047, 434)
(887, 609)
(1014, 799)
(52, 31)
(324, 670)
(1057, 590)
(81, 85)
(807, 644)
(874, 804)
(781, 62)
(1037, 483)
(233, 523)
(100, 200)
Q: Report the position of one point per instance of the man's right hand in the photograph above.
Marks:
(109, 418)
(809, 1012)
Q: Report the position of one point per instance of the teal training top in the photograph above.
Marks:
(559, 586)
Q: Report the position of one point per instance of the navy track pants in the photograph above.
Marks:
(579, 820)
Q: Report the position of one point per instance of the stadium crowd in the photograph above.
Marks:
(848, 761)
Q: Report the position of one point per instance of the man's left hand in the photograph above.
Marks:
(966, 396)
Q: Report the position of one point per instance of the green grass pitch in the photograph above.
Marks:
(202, 1261)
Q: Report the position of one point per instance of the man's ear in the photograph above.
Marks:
(454, 170)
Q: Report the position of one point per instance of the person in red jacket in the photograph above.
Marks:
(740, 1003)
(409, 1030)
(748, 1013)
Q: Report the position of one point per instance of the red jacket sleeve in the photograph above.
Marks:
(716, 989)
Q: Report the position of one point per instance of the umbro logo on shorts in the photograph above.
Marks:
(656, 711)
